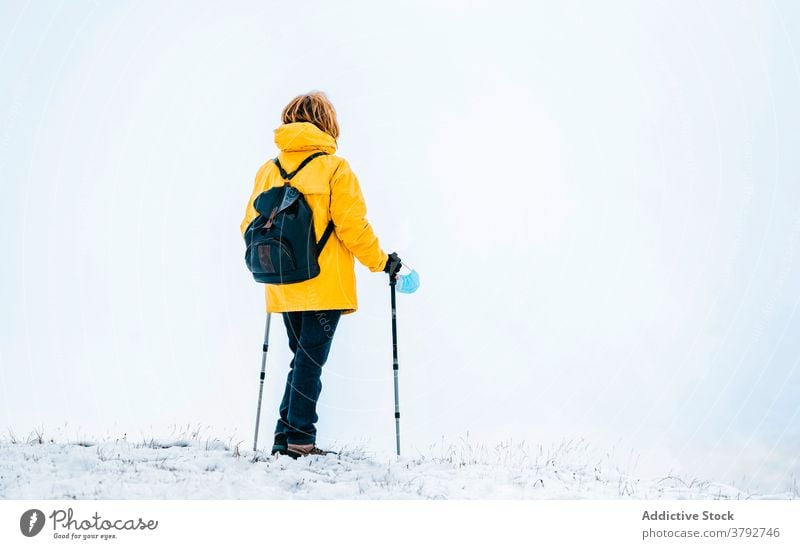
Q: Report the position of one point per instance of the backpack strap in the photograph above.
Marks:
(288, 176)
(325, 236)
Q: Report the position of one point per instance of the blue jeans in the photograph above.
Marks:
(310, 336)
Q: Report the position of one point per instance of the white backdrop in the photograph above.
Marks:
(602, 201)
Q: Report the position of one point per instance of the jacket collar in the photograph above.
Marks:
(303, 136)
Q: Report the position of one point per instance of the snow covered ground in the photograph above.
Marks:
(196, 466)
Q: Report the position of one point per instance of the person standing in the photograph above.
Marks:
(311, 309)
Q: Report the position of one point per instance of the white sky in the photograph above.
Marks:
(601, 199)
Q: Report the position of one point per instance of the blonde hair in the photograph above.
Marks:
(313, 107)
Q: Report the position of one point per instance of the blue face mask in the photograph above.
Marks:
(409, 283)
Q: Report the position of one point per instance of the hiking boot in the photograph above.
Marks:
(295, 451)
(279, 444)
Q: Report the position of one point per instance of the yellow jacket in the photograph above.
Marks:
(333, 193)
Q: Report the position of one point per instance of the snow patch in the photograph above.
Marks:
(195, 467)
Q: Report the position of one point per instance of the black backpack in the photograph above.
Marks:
(282, 247)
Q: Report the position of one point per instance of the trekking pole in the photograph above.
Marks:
(264, 349)
(395, 365)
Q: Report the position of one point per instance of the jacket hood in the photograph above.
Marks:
(303, 136)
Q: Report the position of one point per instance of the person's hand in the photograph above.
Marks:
(393, 265)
